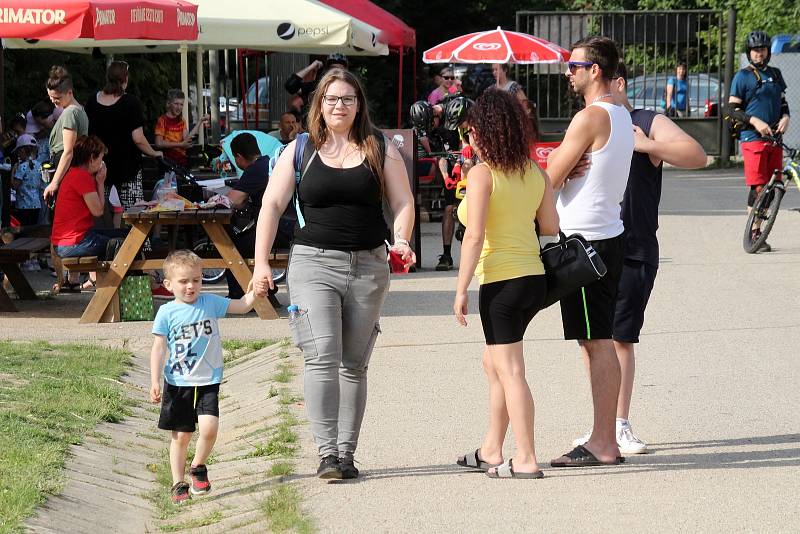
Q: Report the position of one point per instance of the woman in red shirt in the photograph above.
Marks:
(80, 198)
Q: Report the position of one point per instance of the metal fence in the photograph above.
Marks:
(652, 44)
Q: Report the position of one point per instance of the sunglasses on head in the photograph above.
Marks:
(572, 66)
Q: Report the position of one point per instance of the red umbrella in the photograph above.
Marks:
(64, 20)
(496, 46)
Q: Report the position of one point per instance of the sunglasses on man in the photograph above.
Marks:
(449, 77)
(572, 66)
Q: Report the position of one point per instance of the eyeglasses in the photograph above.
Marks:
(449, 77)
(347, 100)
(573, 65)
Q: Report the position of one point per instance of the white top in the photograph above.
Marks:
(590, 205)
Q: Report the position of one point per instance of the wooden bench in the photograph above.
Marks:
(11, 256)
(85, 264)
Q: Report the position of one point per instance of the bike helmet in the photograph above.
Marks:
(455, 112)
(421, 117)
(336, 59)
(758, 39)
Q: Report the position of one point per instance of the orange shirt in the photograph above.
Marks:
(171, 129)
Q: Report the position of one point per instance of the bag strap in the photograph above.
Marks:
(304, 154)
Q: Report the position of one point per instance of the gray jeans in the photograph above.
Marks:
(342, 293)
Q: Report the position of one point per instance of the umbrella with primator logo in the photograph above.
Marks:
(67, 20)
(496, 46)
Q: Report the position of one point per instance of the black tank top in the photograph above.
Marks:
(343, 208)
(640, 203)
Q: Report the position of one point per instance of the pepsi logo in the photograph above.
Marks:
(286, 30)
(486, 46)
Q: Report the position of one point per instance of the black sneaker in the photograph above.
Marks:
(329, 468)
(180, 493)
(200, 483)
(347, 465)
(764, 247)
(445, 263)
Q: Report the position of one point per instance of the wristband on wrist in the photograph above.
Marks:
(402, 242)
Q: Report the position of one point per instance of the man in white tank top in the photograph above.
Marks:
(590, 205)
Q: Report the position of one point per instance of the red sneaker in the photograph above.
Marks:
(200, 483)
(162, 293)
(180, 493)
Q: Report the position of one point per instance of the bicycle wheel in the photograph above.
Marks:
(206, 249)
(762, 217)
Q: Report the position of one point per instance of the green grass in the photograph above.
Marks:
(51, 396)
(236, 344)
(279, 469)
(283, 511)
(234, 350)
(210, 519)
(284, 374)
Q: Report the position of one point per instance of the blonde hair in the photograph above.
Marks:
(363, 132)
(180, 258)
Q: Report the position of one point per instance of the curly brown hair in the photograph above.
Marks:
(503, 131)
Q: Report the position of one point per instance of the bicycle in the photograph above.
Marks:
(765, 208)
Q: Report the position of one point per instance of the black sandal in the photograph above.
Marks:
(472, 460)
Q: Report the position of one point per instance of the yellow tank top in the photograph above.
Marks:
(511, 247)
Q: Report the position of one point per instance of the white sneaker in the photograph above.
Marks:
(583, 439)
(627, 442)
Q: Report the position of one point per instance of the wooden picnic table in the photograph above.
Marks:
(11, 256)
(142, 223)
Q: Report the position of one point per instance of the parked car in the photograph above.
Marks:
(235, 109)
(648, 92)
(784, 43)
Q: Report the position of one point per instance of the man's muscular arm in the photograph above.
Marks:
(577, 141)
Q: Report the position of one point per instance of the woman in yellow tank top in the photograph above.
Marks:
(507, 194)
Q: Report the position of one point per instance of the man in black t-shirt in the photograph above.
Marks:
(245, 196)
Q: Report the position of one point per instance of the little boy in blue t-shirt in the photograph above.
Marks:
(186, 330)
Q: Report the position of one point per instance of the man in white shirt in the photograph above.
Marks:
(590, 205)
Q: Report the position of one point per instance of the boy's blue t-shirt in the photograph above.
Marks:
(192, 332)
(762, 101)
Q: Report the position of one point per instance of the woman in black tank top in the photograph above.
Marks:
(338, 274)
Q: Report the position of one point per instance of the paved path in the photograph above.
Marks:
(716, 394)
(716, 398)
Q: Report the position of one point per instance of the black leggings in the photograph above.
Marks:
(507, 307)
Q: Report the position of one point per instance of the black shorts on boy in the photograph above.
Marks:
(181, 405)
(589, 312)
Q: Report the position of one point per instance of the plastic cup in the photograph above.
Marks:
(396, 263)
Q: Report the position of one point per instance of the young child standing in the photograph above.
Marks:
(186, 330)
(27, 180)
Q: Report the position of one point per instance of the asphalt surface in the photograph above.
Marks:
(716, 393)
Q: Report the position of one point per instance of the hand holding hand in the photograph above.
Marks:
(262, 280)
(461, 307)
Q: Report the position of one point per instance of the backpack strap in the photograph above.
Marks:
(304, 154)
